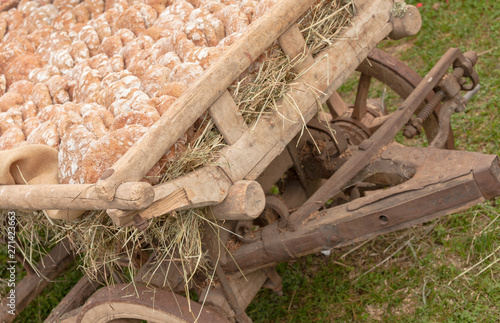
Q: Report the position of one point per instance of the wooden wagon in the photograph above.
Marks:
(335, 198)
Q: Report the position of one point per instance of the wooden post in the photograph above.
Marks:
(360, 107)
(406, 25)
(245, 201)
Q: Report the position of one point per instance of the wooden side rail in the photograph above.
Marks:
(129, 196)
(250, 151)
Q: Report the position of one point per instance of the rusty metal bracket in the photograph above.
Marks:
(275, 203)
(449, 87)
(456, 104)
(487, 179)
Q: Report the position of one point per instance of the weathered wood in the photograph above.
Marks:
(245, 201)
(255, 150)
(184, 112)
(129, 196)
(206, 186)
(294, 46)
(336, 105)
(406, 25)
(245, 289)
(75, 298)
(31, 286)
(360, 105)
(230, 123)
(275, 171)
(133, 301)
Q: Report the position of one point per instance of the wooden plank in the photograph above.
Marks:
(294, 46)
(271, 135)
(360, 107)
(245, 289)
(226, 117)
(336, 105)
(184, 112)
(129, 196)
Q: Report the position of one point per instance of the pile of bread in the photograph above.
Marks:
(89, 78)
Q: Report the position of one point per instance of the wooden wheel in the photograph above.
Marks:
(129, 303)
(398, 77)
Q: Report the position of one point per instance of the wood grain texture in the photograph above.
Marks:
(224, 113)
(245, 201)
(407, 25)
(129, 196)
(203, 187)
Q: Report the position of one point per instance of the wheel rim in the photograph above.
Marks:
(403, 80)
(125, 301)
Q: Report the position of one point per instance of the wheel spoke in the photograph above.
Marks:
(361, 97)
(336, 105)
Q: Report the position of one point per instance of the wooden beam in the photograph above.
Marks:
(129, 196)
(245, 201)
(203, 187)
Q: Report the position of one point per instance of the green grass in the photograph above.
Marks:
(445, 271)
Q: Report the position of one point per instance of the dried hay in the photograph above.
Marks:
(178, 236)
(258, 93)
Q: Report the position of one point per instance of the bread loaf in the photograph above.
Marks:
(90, 77)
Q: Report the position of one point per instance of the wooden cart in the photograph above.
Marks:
(348, 205)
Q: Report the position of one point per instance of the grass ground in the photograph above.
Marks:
(445, 271)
